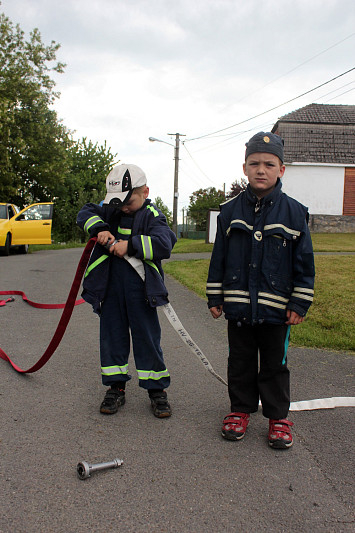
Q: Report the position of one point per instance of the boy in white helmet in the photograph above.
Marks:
(128, 225)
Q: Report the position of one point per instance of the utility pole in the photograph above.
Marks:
(176, 180)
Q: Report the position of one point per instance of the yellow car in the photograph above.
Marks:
(19, 228)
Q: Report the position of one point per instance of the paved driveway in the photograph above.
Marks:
(179, 475)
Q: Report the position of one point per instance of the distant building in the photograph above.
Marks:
(320, 157)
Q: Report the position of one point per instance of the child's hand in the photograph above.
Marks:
(120, 248)
(216, 311)
(105, 237)
(293, 318)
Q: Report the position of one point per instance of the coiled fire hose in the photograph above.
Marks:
(323, 403)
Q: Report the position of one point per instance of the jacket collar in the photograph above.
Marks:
(270, 198)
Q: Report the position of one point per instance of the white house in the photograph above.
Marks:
(320, 157)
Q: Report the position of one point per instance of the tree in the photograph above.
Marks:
(237, 187)
(33, 140)
(85, 181)
(164, 208)
(39, 160)
(200, 203)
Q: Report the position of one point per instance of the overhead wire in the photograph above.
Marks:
(233, 135)
(337, 89)
(341, 94)
(229, 137)
(198, 166)
(230, 140)
(273, 108)
(297, 67)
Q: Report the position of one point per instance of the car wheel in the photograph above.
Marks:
(5, 250)
(7, 244)
(23, 249)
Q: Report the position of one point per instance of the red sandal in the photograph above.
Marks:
(235, 425)
(280, 436)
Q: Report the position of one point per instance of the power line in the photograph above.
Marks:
(273, 108)
(232, 135)
(297, 67)
(197, 165)
(335, 90)
(334, 97)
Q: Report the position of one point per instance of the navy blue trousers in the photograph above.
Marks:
(250, 378)
(124, 311)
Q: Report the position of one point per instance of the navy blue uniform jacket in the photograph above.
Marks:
(262, 261)
(151, 240)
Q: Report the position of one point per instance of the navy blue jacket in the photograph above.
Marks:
(151, 240)
(262, 261)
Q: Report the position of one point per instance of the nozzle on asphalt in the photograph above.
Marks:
(85, 469)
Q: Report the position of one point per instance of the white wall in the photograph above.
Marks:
(212, 225)
(318, 187)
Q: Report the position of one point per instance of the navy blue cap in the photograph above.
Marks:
(265, 142)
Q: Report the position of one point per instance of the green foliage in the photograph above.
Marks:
(237, 187)
(200, 203)
(164, 209)
(85, 181)
(39, 161)
(33, 141)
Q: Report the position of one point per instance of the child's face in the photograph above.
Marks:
(136, 201)
(262, 170)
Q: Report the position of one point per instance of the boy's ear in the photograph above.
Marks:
(244, 169)
(282, 170)
(146, 192)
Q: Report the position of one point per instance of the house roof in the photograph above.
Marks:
(319, 133)
(322, 114)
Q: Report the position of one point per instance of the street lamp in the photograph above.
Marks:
(176, 175)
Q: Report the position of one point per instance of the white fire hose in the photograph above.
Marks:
(307, 405)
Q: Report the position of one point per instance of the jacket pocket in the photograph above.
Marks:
(231, 278)
(281, 283)
(278, 251)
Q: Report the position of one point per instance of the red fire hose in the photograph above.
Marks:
(64, 319)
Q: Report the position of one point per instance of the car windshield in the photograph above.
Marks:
(3, 211)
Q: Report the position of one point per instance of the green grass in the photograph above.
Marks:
(330, 322)
(55, 246)
(333, 242)
(191, 245)
(322, 242)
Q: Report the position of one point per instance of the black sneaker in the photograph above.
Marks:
(160, 405)
(114, 398)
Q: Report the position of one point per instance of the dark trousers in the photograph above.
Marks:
(250, 377)
(126, 311)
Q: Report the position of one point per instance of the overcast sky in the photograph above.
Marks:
(141, 68)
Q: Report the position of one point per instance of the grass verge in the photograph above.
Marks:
(330, 322)
(322, 242)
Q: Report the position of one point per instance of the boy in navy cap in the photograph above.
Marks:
(261, 276)
(124, 282)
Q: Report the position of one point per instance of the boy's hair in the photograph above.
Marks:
(265, 142)
(139, 189)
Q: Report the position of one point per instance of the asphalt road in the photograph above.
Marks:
(178, 475)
